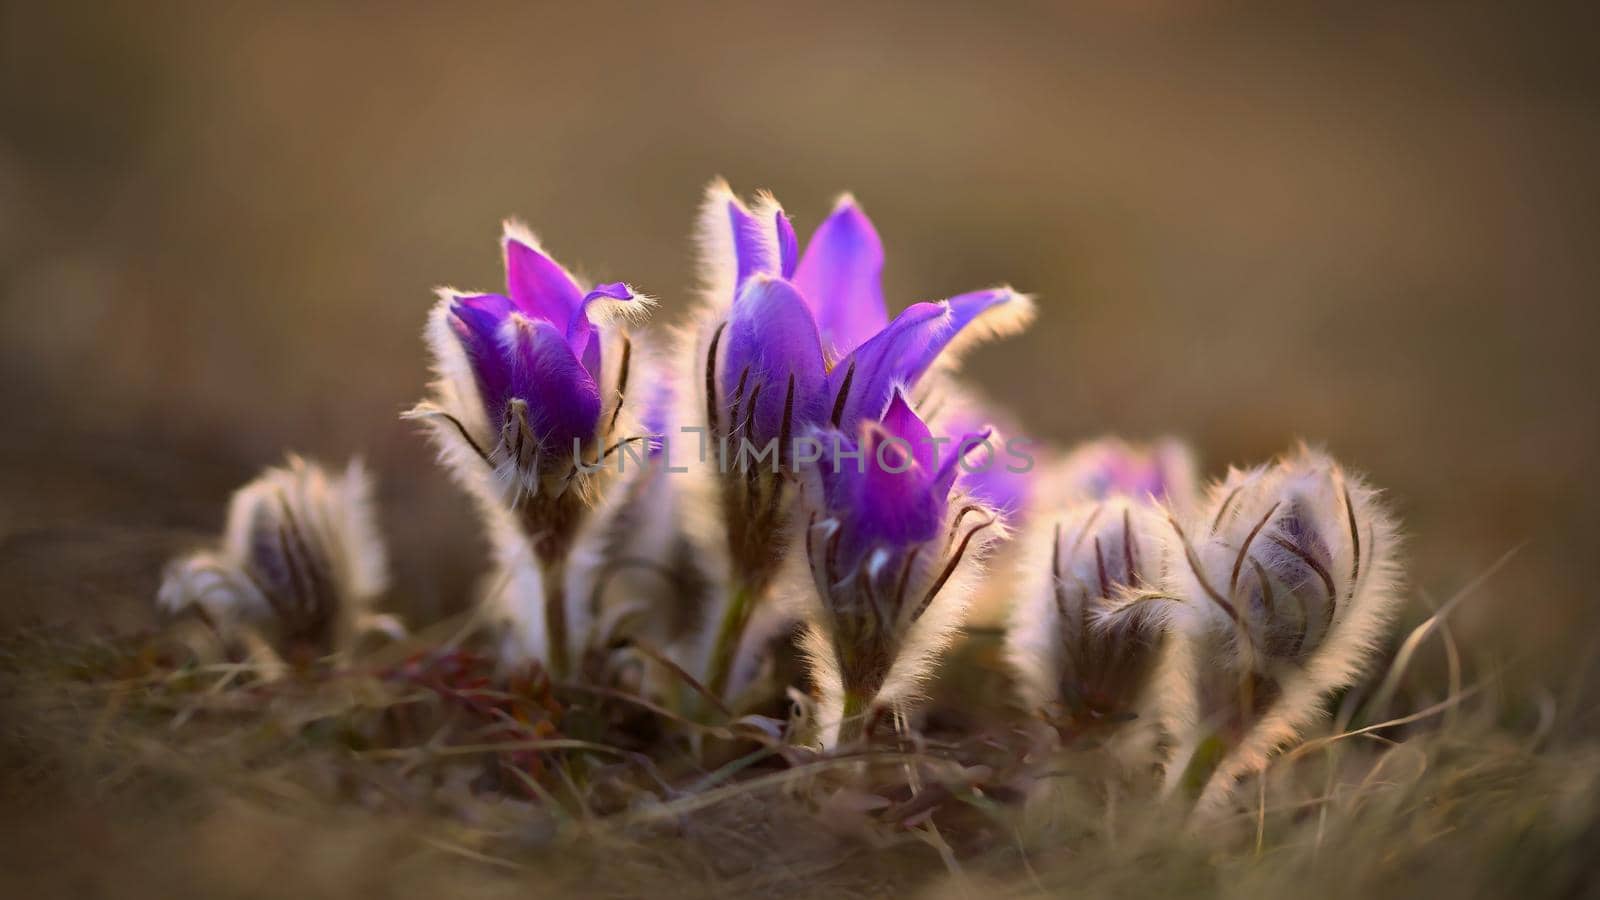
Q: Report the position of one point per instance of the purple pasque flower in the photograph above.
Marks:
(793, 340)
(806, 340)
(892, 556)
(529, 400)
(533, 379)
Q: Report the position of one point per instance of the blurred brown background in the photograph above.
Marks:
(1373, 226)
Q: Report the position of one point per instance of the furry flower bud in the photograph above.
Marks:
(1085, 635)
(301, 560)
(1289, 582)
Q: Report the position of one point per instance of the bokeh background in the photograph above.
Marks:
(1369, 225)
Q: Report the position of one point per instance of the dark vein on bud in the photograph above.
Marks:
(711, 379)
(622, 382)
(949, 569)
(1223, 509)
(844, 394)
(1244, 550)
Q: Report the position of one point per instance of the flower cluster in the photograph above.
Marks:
(1222, 623)
(795, 467)
(794, 351)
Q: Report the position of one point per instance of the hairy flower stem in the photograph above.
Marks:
(853, 721)
(729, 634)
(555, 616)
(550, 529)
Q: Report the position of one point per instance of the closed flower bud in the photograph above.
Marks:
(1289, 582)
(1087, 630)
(300, 562)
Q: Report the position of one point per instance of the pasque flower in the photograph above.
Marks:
(530, 399)
(889, 563)
(794, 341)
(1287, 580)
(298, 567)
(1086, 633)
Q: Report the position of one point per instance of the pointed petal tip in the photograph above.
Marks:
(766, 202)
(514, 230)
(610, 290)
(720, 197)
(444, 293)
(616, 301)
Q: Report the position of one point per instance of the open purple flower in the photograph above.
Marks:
(890, 487)
(800, 339)
(819, 323)
(535, 362)
(529, 400)
(891, 562)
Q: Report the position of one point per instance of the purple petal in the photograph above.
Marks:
(965, 309)
(882, 507)
(992, 480)
(788, 244)
(563, 400)
(904, 350)
(580, 330)
(965, 449)
(1001, 488)
(771, 337)
(476, 322)
(894, 357)
(902, 422)
(841, 275)
(539, 287)
(611, 290)
(752, 253)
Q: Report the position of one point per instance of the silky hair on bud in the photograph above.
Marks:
(1090, 619)
(1290, 577)
(301, 558)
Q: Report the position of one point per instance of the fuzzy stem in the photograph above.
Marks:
(555, 616)
(853, 720)
(730, 632)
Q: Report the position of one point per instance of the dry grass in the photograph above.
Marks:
(415, 776)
